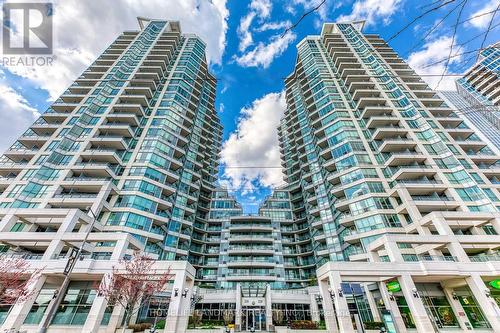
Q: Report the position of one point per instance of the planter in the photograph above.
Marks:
(284, 329)
(200, 330)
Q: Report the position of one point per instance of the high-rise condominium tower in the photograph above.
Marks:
(133, 143)
(387, 188)
(397, 189)
(478, 96)
(480, 84)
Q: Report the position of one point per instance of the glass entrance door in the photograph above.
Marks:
(254, 318)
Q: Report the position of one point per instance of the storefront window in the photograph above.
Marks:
(4, 312)
(154, 310)
(405, 312)
(76, 304)
(473, 312)
(495, 293)
(440, 311)
(40, 305)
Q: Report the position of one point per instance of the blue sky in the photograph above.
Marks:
(249, 57)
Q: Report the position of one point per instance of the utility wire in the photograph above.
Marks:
(452, 56)
(434, 27)
(430, 4)
(293, 26)
(418, 18)
(451, 44)
(488, 30)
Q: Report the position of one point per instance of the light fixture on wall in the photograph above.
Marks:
(330, 291)
(318, 298)
(391, 296)
(487, 292)
(176, 292)
(341, 294)
(185, 292)
(454, 295)
(415, 293)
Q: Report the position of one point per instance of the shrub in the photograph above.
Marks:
(161, 324)
(373, 325)
(139, 327)
(304, 324)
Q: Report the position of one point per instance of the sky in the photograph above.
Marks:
(250, 57)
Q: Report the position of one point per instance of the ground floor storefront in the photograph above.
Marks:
(407, 298)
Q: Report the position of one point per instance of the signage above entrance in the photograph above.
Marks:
(393, 286)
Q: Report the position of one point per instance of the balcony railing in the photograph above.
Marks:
(485, 258)
(414, 258)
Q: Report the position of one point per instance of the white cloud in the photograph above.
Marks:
(482, 22)
(246, 38)
(371, 11)
(307, 5)
(273, 26)
(15, 114)
(264, 54)
(255, 144)
(260, 9)
(83, 29)
(424, 62)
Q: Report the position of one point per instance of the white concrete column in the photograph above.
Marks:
(328, 309)
(487, 304)
(373, 256)
(101, 198)
(314, 308)
(179, 308)
(457, 251)
(54, 248)
(496, 224)
(477, 231)
(8, 222)
(269, 309)
(343, 313)
(237, 315)
(20, 310)
(135, 313)
(185, 309)
(457, 308)
(115, 319)
(417, 308)
(392, 307)
(119, 250)
(69, 221)
(372, 303)
(95, 315)
(442, 227)
(409, 203)
(393, 252)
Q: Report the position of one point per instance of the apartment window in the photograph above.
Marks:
(477, 178)
(490, 194)
(489, 230)
(40, 305)
(76, 304)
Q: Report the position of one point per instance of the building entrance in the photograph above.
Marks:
(254, 317)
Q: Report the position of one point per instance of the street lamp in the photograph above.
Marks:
(70, 265)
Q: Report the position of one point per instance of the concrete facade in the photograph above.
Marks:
(385, 184)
